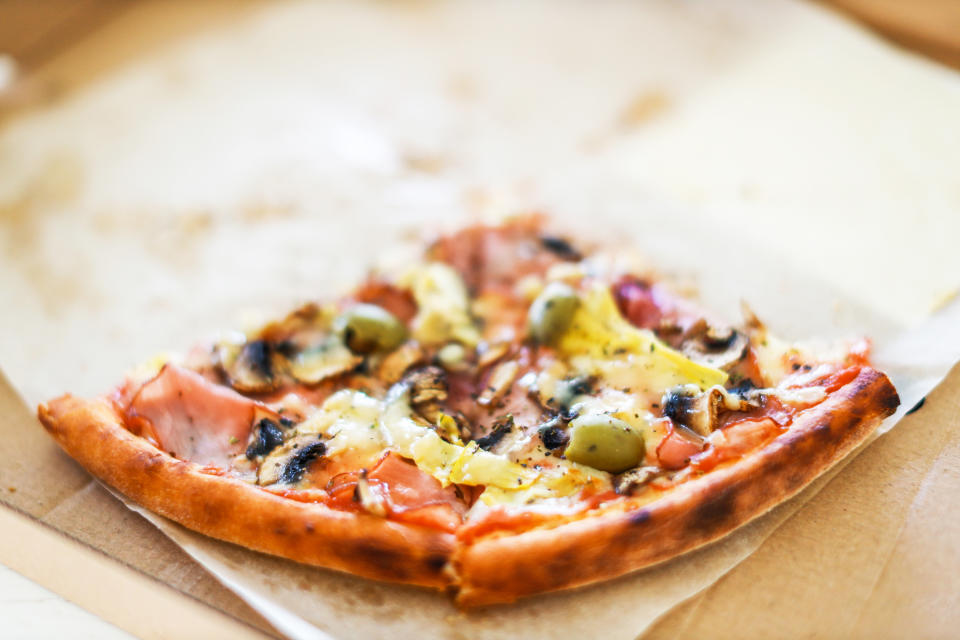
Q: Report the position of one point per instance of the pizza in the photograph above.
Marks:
(511, 413)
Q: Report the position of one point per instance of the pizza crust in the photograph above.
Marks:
(498, 568)
(502, 568)
(92, 432)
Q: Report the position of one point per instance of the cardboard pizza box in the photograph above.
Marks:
(869, 556)
(62, 529)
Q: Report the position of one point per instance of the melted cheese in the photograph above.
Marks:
(443, 305)
(354, 421)
(600, 341)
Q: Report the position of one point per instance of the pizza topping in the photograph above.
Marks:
(267, 436)
(398, 302)
(395, 487)
(443, 306)
(720, 348)
(700, 410)
(325, 360)
(553, 435)
(678, 447)
(505, 374)
(287, 463)
(367, 328)
(494, 258)
(297, 463)
(428, 390)
(633, 481)
(251, 366)
(604, 442)
(500, 428)
(605, 344)
(192, 418)
(734, 441)
(397, 362)
(369, 500)
(551, 312)
(560, 247)
(500, 380)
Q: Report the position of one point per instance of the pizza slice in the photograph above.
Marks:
(510, 414)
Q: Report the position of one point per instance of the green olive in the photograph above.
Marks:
(604, 442)
(551, 312)
(367, 328)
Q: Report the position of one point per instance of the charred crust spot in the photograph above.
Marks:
(822, 431)
(714, 512)
(796, 480)
(308, 527)
(267, 437)
(387, 562)
(891, 400)
(638, 518)
(565, 565)
(560, 248)
(299, 462)
(436, 562)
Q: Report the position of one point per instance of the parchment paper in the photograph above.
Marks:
(271, 159)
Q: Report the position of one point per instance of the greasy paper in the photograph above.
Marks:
(274, 157)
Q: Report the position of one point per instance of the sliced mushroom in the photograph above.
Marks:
(399, 361)
(327, 359)
(266, 436)
(305, 325)
(428, 391)
(631, 482)
(717, 347)
(254, 366)
(288, 463)
(700, 411)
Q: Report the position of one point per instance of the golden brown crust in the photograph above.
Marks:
(500, 569)
(495, 569)
(92, 432)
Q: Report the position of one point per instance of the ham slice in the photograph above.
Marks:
(408, 494)
(192, 418)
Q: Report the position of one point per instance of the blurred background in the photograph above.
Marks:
(164, 164)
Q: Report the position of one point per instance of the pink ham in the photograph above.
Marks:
(194, 419)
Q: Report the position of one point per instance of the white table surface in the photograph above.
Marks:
(31, 611)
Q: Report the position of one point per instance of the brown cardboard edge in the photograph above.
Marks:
(692, 615)
(40, 550)
(108, 588)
